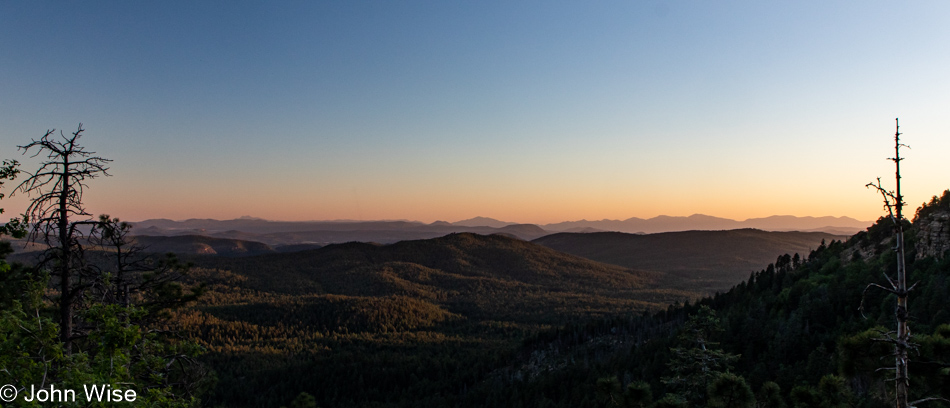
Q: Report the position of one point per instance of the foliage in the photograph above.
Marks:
(634, 395)
(696, 363)
(794, 326)
(805, 397)
(834, 392)
(15, 227)
(730, 391)
(936, 204)
(769, 396)
(609, 392)
(130, 276)
(123, 356)
(638, 395)
(303, 400)
(87, 314)
(671, 401)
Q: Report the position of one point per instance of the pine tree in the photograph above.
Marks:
(697, 362)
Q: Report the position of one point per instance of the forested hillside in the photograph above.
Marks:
(704, 260)
(468, 320)
(795, 328)
(197, 244)
(417, 323)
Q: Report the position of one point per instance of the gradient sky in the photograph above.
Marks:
(522, 111)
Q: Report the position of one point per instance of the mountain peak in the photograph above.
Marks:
(482, 222)
(249, 218)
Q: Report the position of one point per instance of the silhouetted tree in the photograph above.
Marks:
(11, 276)
(109, 296)
(15, 227)
(894, 203)
(134, 277)
(59, 217)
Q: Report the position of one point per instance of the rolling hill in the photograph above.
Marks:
(795, 329)
(412, 318)
(705, 260)
(463, 272)
(202, 245)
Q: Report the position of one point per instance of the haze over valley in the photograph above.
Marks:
(324, 232)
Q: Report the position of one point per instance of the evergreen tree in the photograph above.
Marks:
(638, 395)
(696, 362)
(635, 395)
(304, 400)
(730, 391)
(671, 401)
(805, 397)
(769, 396)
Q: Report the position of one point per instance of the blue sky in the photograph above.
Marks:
(523, 111)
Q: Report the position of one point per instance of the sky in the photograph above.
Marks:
(524, 111)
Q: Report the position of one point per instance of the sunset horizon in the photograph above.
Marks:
(531, 112)
(478, 217)
(535, 208)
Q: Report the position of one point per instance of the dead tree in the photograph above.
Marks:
(58, 217)
(101, 274)
(134, 277)
(894, 202)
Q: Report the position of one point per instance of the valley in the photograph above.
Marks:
(380, 323)
(468, 319)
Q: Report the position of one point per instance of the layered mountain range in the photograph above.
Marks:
(279, 233)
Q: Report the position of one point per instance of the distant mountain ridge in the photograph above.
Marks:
(325, 232)
(665, 223)
(278, 233)
(483, 222)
